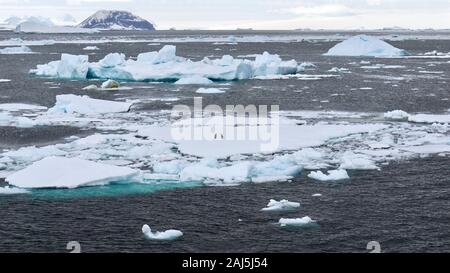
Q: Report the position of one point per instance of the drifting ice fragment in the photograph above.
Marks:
(283, 205)
(297, 222)
(396, 115)
(168, 235)
(333, 175)
(209, 91)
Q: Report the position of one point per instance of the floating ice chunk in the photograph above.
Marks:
(112, 60)
(297, 222)
(305, 66)
(168, 235)
(110, 84)
(352, 161)
(209, 91)
(91, 87)
(317, 195)
(396, 115)
(72, 66)
(338, 70)
(24, 122)
(333, 175)
(363, 45)
(86, 105)
(267, 179)
(283, 205)
(16, 50)
(194, 80)
(428, 118)
(61, 172)
(11, 190)
(5, 80)
(90, 48)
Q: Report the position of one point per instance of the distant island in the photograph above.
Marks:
(116, 20)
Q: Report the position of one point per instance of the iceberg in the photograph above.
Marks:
(363, 45)
(297, 222)
(62, 172)
(168, 235)
(283, 205)
(164, 65)
(86, 105)
(16, 50)
(333, 175)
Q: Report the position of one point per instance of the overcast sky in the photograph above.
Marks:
(257, 14)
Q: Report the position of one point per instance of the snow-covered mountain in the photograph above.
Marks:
(116, 20)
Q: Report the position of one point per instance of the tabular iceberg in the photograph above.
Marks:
(61, 172)
(164, 65)
(363, 45)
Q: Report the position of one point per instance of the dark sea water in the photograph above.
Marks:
(405, 206)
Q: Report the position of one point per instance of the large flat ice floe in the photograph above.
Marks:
(86, 105)
(164, 65)
(61, 172)
(363, 45)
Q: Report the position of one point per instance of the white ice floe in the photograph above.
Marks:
(16, 50)
(10, 190)
(333, 175)
(296, 222)
(91, 48)
(210, 91)
(4, 80)
(164, 65)
(283, 205)
(168, 235)
(363, 45)
(194, 80)
(86, 105)
(61, 172)
(396, 115)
